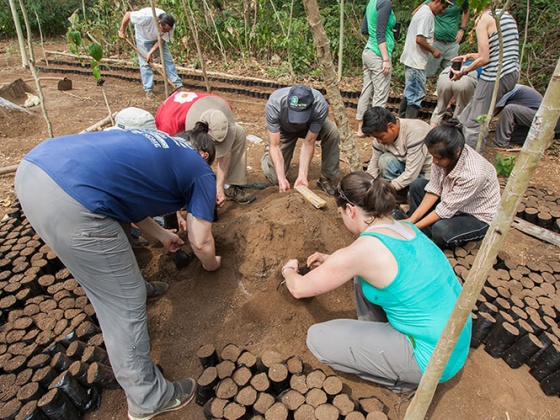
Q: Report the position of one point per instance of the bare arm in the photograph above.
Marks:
(464, 21)
(305, 156)
(221, 173)
(386, 60)
(278, 161)
(169, 239)
(423, 43)
(124, 24)
(482, 56)
(202, 242)
(429, 200)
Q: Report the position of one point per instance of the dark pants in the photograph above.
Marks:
(447, 233)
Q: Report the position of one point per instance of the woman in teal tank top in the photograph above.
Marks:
(404, 286)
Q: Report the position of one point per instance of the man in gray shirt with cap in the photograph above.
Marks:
(293, 113)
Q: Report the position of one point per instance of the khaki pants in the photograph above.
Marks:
(376, 84)
(237, 171)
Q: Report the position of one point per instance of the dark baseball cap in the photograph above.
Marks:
(300, 104)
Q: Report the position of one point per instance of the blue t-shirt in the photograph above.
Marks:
(420, 298)
(129, 174)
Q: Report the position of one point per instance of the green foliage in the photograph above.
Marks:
(52, 16)
(504, 165)
(77, 42)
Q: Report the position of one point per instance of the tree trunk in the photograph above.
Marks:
(194, 32)
(21, 40)
(34, 70)
(324, 57)
(540, 134)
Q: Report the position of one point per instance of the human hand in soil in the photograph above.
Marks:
(316, 259)
(283, 185)
(171, 241)
(220, 197)
(214, 267)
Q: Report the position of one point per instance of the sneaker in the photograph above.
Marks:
(238, 195)
(156, 289)
(184, 393)
(150, 95)
(326, 185)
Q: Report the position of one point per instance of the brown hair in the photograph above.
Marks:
(199, 138)
(375, 196)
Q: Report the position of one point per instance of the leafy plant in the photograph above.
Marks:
(504, 165)
(87, 44)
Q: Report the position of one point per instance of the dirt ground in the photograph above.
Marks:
(242, 303)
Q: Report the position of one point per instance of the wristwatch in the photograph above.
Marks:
(463, 28)
(464, 72)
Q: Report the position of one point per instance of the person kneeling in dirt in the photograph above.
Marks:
(76, 191)
(399, 154)
(293, 113)
(182, 110)
(405, 290)
(460, 200)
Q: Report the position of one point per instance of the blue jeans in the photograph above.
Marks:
(414, 86)
(390, 167)
(146, 71)
(447, 233)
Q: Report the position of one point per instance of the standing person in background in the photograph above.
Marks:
(182, 110)
(488, 56)
(376, 57)
(417, 48)
(293, 113)
(146, 30)
(449, 30)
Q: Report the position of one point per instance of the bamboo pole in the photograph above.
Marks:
(542, 130)
(324, 57)
(19, 32)
(160, 46)
(34, 70)
(194, 31)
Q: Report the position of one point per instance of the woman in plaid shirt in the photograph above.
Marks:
(461, 198)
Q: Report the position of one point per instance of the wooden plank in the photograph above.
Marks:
(536, 231)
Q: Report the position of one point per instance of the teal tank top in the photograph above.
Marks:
(420, 298)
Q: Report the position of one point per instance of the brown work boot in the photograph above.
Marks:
(237, 194)
(326, 185)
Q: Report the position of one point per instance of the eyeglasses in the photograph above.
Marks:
(342, 195)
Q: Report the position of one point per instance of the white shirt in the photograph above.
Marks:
(422, 24)
(145, 27)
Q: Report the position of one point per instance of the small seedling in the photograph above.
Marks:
(504, 165)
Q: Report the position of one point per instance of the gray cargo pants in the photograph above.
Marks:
(368, 347)
(96, 251)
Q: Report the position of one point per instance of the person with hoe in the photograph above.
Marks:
(405, 290)
(182, 110)
(293, 113)
(376, 57)
(146, 31)
(399, 153)
(462, 196)
(77, 191)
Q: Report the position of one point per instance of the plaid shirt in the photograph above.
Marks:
(471, 187)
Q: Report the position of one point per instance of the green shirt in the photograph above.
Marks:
(447, 23)
(386, 23)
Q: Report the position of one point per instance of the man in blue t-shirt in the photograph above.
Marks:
(76, 191)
